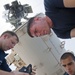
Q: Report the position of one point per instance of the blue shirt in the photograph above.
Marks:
(63, 18)
(3, 64)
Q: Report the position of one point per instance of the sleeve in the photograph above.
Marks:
(62, 33)
(53, 4)
(58, 3)
(4, 66)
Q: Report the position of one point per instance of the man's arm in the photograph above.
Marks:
(5, 70)
(72, 33)
(5, 73)
(12, 73)
(4, 66)
(69, 3)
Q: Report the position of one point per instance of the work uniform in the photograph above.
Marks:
(3, 64)
(63, 18)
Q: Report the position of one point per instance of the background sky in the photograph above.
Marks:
(69, 43)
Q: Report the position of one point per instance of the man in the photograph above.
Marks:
(7, 41)
(60, 16)
(67, 60)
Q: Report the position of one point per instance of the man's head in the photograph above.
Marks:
(8, 40)
(38, 26)
(67, 60)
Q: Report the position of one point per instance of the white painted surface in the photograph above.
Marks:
(42, 52)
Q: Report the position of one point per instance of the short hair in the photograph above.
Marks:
(66, 55)
(11, 33)
(30, 21)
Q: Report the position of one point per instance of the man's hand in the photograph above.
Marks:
(22, 73)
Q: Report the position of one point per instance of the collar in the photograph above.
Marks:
(3, 53)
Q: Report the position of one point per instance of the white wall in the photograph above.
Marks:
(42, 52)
